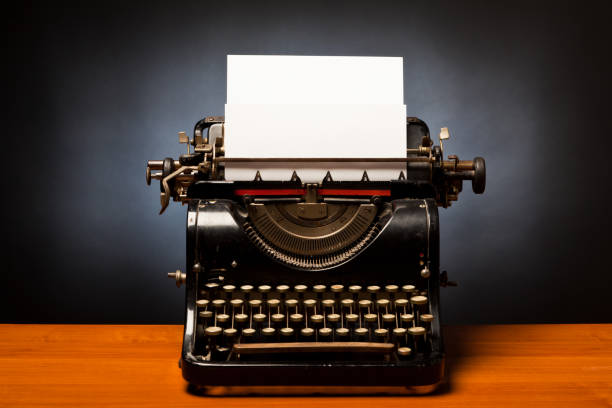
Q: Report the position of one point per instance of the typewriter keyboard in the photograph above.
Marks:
(251, 322)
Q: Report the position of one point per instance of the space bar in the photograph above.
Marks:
(314, 347)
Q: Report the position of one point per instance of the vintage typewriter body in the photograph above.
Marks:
(313, 284)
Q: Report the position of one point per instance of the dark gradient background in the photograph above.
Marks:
(94, 90)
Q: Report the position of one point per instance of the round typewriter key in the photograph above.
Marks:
(291, 302)
(404, 351)
(296, 317)
(229, 288)
(408, 288)
(206, 314)
(354, 288)
(213, 331)
(222, 318)
(406, 318)
(329, 303)
(318, 288)
(278, 317)
(282, 288)
(352, 317)
(364, 303)
(382, 303)
(259, 317)
(342, 332)
(373, 289)
(268, 331)
(316, 319)
(300, 288)
(325, 331)
(418, 334)
(388, 318)
(236, 302)
(310, 303)
(219, 303)
(418, 300)
(399, 332)
(248, 332)
(230, 332)
(246, 288)
(401, 302)
(336, 288)
(307, 332)
(255, 302)
(287, 331)
(391, 288)
(347, 302)
(416, 331)
(381, 333)
(273, 302)
(264, 288)
(333, 318)
(426, 317)
(202, 303)
(361, 331)
(241, 317)
(370, 317)
(212, 285)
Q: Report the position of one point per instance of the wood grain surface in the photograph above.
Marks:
(136, 366)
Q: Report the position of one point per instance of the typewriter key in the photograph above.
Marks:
(268, 332)
(417, 334)
(355, 289)
(229, 288)
(318, 288)
(259, 317)
(307, 333)
(399, 334)
(391, 288)
(342, 333)
(389, 320)
(351, 318)
(282, 288)
(241, 317)
(296, 317)
(408, 289)
(418, 300)
(201, 303)
(426, 318)
(370, 317)
(222, 318)
(325, 334)
(328, 304)
(336, 288)
(406, 319)
(278, 317)
(236, 303)
(404, 352)
(361, 333)
(246, 290)
(401, 304)
(213, 331)
(248, 332)
(373, 290)
(383, 305)
(300, 288)
(316, 319)
(205, 314)
(287, 331)
(381, 334)
(230, 332)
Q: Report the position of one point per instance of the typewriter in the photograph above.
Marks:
(334, 283)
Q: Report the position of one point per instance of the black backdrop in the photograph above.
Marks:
(94, 90)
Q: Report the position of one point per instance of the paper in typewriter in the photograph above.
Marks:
(314, 107)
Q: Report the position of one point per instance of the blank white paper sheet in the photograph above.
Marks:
(321, 107)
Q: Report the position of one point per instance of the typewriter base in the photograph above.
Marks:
(415, 377)
(313, 390)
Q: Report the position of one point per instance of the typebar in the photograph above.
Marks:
(314, 347)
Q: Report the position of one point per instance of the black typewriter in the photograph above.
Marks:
(333, 283)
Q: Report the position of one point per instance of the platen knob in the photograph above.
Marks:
(480, 176)
(179, 277)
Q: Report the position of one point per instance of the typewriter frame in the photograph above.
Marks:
(416, 372)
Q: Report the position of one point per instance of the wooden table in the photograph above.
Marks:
(492, 366)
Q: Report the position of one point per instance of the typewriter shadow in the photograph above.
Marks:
(454, 338)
